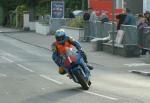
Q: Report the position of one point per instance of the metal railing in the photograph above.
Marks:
(146, 38)
(97, 29)
(130, 36)
(101, 30)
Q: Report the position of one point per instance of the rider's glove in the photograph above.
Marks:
(73, 63)
(81, 51)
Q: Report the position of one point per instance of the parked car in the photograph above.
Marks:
(78, 13)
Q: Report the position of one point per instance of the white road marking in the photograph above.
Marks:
(3, 75)
(11, 61)
(6, 54)
(25, 68)
(7, 59)
(100, 95)
(53, 80)
(136, 64)
(11, 55)
(92, 93)
(42, 88)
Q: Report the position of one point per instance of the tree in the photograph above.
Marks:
(76, 4)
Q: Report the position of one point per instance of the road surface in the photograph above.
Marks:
(28, 75)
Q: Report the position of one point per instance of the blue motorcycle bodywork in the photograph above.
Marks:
(78, 66)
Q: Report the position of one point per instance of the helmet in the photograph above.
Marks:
(60, 36)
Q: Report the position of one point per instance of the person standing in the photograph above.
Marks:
(129, 19)
(103, 17)
(86, 15)
(92, 23)
(71, 15)
(140, 30)
(147, 17)
(93, 16)
(121, 18)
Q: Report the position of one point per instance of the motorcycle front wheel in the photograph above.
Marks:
(85, 84)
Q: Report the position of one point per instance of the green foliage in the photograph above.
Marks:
(1, 15)
(77, 22)
(14, 21)
(76, 4)
(41, 10)
(20, 9)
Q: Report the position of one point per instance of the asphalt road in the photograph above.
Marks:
(28, 75)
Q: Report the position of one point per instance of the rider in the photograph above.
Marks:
(62, 40)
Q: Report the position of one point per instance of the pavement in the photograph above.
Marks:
(8, 30)
(135, 65)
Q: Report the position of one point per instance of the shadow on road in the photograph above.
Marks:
(55, 96)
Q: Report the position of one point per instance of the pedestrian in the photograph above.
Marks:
(86, 15)
(71, 15)
(103, 17)
(129, 19)
(92, 23)
(93, 16)
(121, 18)
(140, 30)
(147, 16)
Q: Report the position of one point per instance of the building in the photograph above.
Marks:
(139, 7)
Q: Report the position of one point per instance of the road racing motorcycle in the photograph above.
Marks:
(77, 69)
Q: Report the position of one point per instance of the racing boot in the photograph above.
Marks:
(90, 66)
(61, 71)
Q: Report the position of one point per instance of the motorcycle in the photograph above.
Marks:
(76, 68)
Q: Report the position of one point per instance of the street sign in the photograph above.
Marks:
(57, 9)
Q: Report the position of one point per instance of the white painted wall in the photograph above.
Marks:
(26, 20)
(32, 26)
(75, 33)
(42, 29)
(36, 26)
(27, 23)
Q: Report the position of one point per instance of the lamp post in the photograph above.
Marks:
(113, 25)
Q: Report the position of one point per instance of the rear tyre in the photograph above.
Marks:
(85, 85)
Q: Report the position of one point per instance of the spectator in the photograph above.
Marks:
(71, 15)
(140, 28)
(121, 18)
(90, 27)
(103, 17)
(86, 16)
(147, 16)
(129, 19)
(93, 17)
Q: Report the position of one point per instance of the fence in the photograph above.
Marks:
(130, 36)
(146, 38)
(100, 30)
(97, 29)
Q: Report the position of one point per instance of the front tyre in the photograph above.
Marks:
(85, 85)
